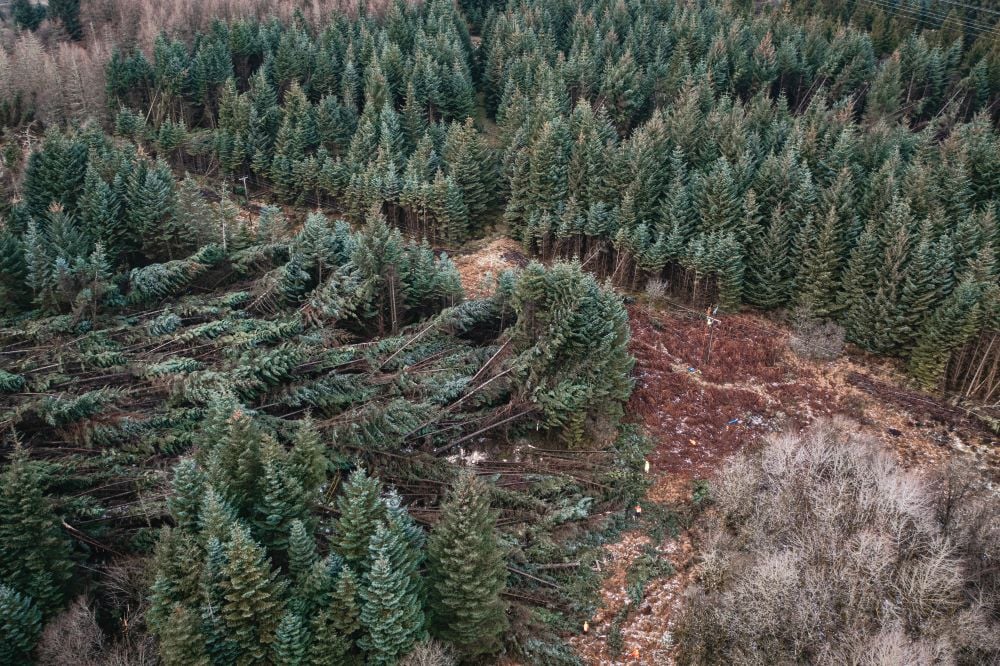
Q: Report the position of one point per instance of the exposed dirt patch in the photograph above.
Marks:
(701, 414)
(478, 265)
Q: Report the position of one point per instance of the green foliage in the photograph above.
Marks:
(291, 643)
(20, 626)
(35, 553)
(571, 338)
(253, 597)
(467, 572)
(391, 618)
(360, 510)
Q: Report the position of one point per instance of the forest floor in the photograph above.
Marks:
(700, 413)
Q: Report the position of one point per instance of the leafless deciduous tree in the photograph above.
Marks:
(822, 550)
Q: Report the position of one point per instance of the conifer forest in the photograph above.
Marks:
(518, 332)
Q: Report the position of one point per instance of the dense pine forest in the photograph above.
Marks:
(250, 415)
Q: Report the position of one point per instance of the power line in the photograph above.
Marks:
(971, 7)
(921, 17)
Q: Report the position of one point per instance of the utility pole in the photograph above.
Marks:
(246, 192)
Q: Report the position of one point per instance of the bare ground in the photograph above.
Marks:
(701, 409)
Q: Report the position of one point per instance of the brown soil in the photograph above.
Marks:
(699, 415)
(478, 267)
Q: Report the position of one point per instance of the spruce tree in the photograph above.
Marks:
(188, 488)
(467, 572)
(178, 576)
(346, 599)
(470, 166)
(97, 213)
(769, 277)
(181, 641)
(291, 643)
(302, 553)
(20, 626)
(819, 265)
(388, 614)
(327, 647)
(281, 503)
(307, 460)
(946, 330)
(253, 597)
(718, 202)
(35, 554)
(360, 510)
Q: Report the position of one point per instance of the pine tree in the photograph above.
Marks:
(35, 554)
(946, 330)
(291, 644)
(302, 553)
(769, 278)
(181, 642)
(387, 614)
(20, 626)
(819, 265)
(253, 603)
(346, 597)
(188, 488)
(467, 572)
(360, 510)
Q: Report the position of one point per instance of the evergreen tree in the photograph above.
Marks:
(302, 553)
(193, 215)
(188, 487)
(946, 330)
(307, 461)
(27, 14)
(152, 203)
(346, 599)
(97, 212)
(15, 289)
(282, 501)
(178, 577)
(388, 614)
(181, 642)
(35, 554)
(718, 203)
(360, 511)
(253, 597)
(467, 572)
(769, 278)
(20, 626)
(327, 645)
(291, 644)
(819, 265)
(470, 166)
